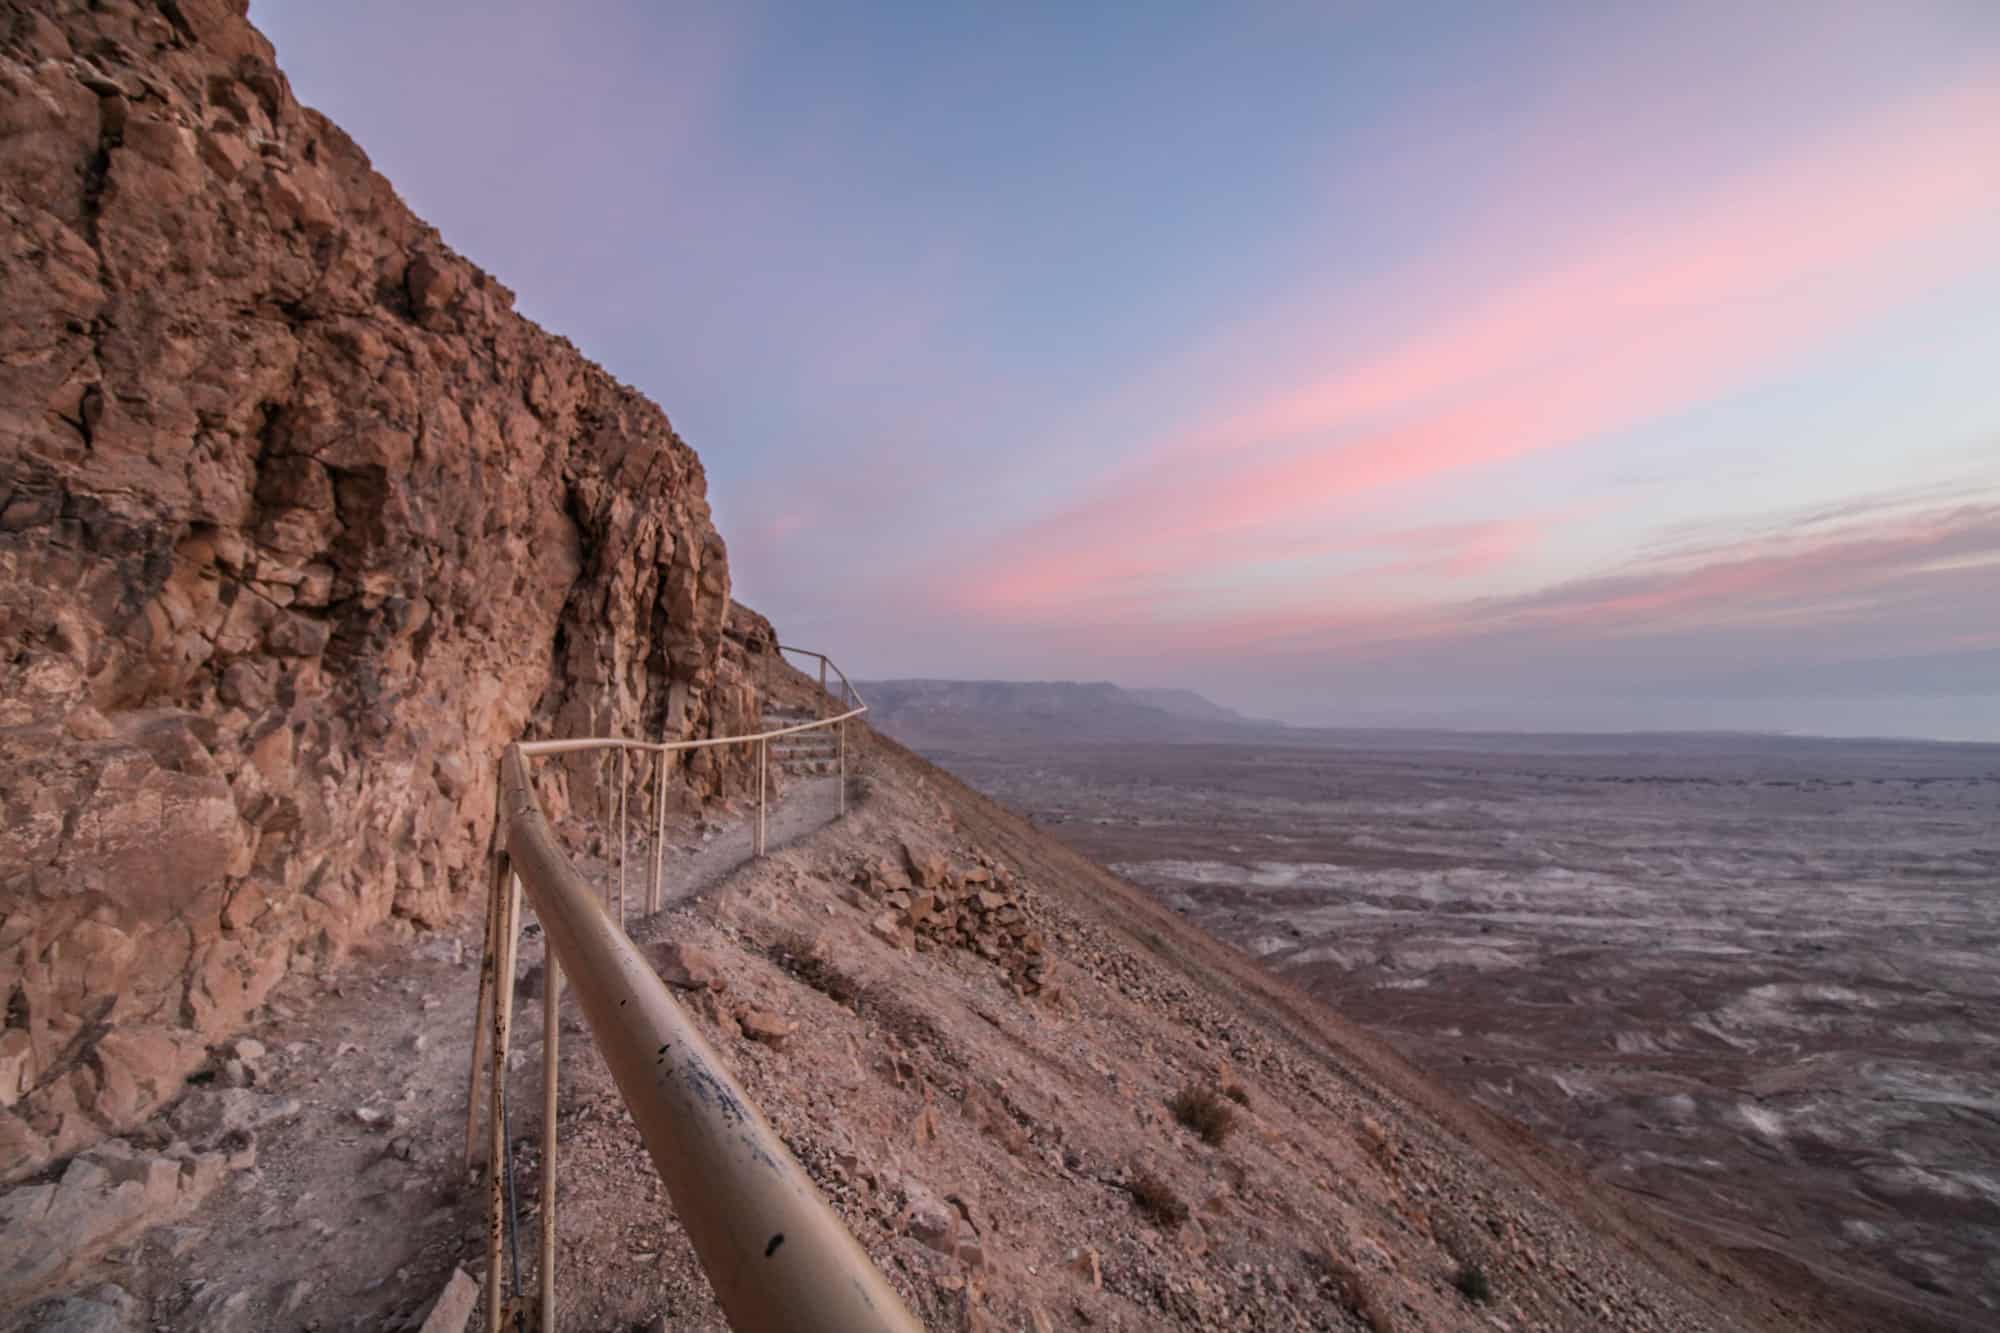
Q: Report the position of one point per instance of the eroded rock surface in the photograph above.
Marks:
(299, 523)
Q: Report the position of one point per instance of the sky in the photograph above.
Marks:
(1547, 367)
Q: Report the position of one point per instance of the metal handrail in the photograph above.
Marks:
(776, 1254)
(847, 686)
(576, 745)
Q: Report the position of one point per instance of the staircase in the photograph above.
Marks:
(805, 753)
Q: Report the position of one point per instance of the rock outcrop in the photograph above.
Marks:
(299, 524)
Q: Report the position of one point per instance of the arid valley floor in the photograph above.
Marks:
(1755, 982)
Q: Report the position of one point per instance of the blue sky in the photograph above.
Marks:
(1570, 366)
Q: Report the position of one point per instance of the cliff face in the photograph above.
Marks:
(299, 523)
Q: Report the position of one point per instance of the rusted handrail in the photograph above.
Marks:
(777, 1256)
(776, 1253)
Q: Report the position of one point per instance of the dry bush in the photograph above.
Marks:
(1374, 1140)
(1156, 1199)
(1470, 1279)
(1470, 1249)
(1351, 1288)
(1203, 1112)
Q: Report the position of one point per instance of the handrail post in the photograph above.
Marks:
(551, 1000)
(488, 964)
(623, 783)
(819, 701)
(763, 783)
(657, 895)
(496, 1163)
(843, 770)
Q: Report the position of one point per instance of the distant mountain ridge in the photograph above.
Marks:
(1195, 707)
(929, 713)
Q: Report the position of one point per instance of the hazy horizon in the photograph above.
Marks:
(1573, 368)
(1472, 718)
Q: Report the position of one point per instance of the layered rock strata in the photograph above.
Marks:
(300, 523)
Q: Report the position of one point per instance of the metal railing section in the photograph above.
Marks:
(776, 1254)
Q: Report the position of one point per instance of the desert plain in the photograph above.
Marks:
(1752, 981)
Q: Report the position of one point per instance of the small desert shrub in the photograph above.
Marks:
(1156, 1199)
(1352, 1288)
(1235, 1092)
(1375, 1142)
(1203, 1112)
(1472, 1284)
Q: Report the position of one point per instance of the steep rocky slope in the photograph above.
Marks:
(974, 1041)
(298, 523)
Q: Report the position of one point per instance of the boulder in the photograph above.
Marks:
(887, 927)
(930, 1220)
(103, 1198)
(927, 865)
(453, 1306)
(688, 967)
(761, 1025)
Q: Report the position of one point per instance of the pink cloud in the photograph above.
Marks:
(1921, 570)
(1893, 582)
(1738, 284)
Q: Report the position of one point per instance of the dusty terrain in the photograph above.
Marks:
(1749, 982)
(983, 1141)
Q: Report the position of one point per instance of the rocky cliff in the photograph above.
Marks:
(299, 524)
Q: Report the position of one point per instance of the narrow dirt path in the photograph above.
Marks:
(360, 1203)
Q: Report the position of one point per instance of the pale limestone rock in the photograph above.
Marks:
(930, 1220)
(763, 1026)
(888, 927)
(927, 865)
(687, 967)
(454, 1305)
(104, 1197)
